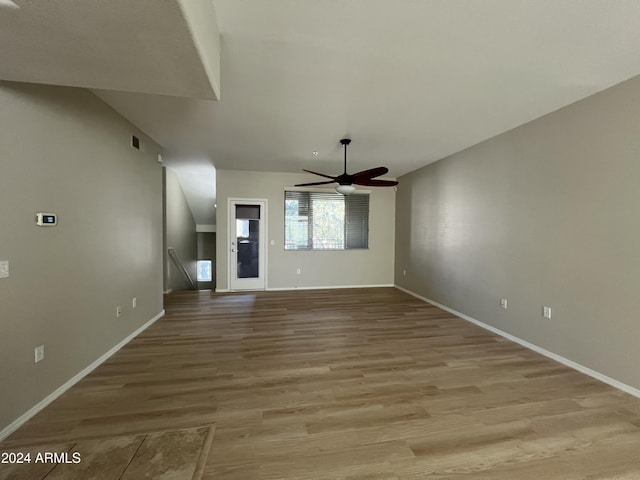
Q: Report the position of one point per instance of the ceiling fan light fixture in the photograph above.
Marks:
(345, 189)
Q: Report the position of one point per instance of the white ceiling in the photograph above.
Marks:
(135, 46)
(410, 81)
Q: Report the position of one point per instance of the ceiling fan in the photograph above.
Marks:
(346, 181)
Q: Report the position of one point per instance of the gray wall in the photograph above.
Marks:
(180, 231)
(546, 214)
(318, 269)
(65, 151)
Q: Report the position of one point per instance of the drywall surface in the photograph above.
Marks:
(543, 215)
(373, 266)
(64, 151)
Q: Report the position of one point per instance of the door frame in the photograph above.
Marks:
(231, 228)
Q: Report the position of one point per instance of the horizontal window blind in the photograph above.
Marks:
(326, 221)
(356, 225)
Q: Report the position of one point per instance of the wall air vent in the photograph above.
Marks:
(135, 142)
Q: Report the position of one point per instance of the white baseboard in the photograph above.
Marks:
(18, 422)
(323, 287)
(569, 363)
(327, 287)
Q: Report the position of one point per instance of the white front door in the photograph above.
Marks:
(247, 252)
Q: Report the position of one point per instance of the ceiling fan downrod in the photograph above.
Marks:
(345, 142)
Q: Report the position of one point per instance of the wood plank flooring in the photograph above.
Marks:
(348, 384)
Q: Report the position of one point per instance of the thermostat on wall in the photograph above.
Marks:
(47, 219)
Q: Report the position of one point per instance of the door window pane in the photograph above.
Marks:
(247, 241)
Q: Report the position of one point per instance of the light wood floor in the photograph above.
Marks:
(349, 384)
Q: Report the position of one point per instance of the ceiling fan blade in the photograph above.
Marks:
(367, 182)
(321, 174)
(314, 183)
(371, 173)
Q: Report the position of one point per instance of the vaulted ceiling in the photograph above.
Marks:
(410, 81)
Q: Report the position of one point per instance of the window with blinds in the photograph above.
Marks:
(325, 221)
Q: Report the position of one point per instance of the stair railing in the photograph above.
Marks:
(185, 273)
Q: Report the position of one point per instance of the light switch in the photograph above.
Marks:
(4, 268)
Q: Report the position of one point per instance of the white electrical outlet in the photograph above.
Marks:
(503, 303)
(118, 311)
(39, 353)
(298, 271)
(546, 312)
(134, 302)
(404, 273)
